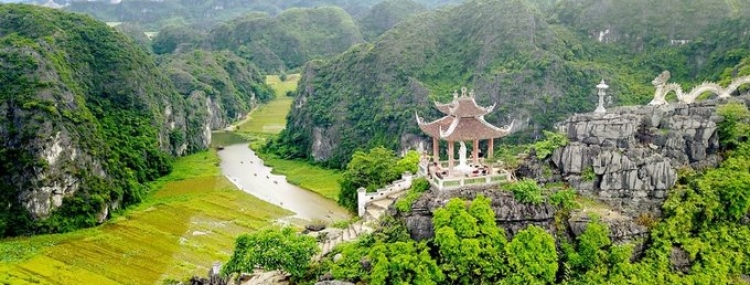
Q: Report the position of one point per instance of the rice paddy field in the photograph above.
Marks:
(269, 120)
(189, 221)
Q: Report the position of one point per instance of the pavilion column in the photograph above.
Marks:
(450, 157)
(436, 149)
(491, 148)
(475, 152)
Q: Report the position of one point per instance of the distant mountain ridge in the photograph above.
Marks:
(158, 13)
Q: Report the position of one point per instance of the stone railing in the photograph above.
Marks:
(396, 186)
(450, 183)
(459, 182)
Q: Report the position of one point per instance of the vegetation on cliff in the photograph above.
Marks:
(232, 85)
(87, 116)
(72, 81)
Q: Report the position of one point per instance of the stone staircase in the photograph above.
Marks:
(373, 211)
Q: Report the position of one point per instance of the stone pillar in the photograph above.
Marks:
(491, 148)
(436, 149)
(475, 152)
(450, 157)
(361, 201)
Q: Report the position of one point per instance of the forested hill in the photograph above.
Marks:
(384, 15)
(289, 39)
(87, 117)
(517, 53)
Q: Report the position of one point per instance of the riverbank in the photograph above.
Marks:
(190, 220)
(269, 120)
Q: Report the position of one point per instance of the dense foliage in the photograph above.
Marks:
(272, 249)
(372, 170)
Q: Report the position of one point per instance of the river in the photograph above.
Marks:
(245, 169)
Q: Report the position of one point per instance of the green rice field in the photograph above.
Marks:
(190, 221)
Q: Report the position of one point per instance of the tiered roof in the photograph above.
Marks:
(464, 120)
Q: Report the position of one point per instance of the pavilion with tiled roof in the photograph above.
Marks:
(464, 121)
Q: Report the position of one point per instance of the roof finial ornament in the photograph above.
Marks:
(471, 93)
(455, 94)
(463, 91)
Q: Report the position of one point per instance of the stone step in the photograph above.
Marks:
(397, 195)
(355, 227)
(374, 214)
(366, 230)
(348, 235)
(382, 204)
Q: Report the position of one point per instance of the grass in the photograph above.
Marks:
(188, 223)
(306, 175)
(271, 118)
(281, 88)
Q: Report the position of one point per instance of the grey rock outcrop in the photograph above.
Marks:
(514, 216)
(629, 157)
(510, 214)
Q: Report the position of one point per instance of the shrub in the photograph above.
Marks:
(564, 199)
(415, 191)
(552, 141)
(734, 128)
(588, 174)
(272, 249)
(526, 191)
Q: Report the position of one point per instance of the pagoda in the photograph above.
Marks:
(463, 121)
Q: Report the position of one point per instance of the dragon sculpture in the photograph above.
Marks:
(663, 88)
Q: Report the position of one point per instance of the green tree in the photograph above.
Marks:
(408, 163)
(370, 170)
(734, 128)
(469, 243)
(272, 249)
(532, 257)
(590, 252)
(403, 263)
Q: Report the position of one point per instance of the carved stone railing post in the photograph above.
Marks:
(361, 201)
(602, 87)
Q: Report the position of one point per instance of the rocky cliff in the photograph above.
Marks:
(86, 118)
(630, 157)
(514, 216)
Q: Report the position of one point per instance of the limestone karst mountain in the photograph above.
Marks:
(288, 40)
(87, 117)
(384, 15)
